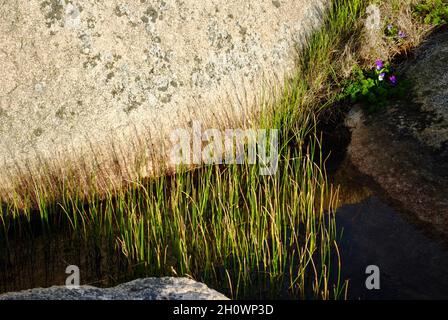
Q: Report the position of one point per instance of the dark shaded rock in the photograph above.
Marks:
(404, 146)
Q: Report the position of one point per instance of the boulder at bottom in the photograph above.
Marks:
(141, 289)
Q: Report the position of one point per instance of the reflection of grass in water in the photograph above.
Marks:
(352, 185)
(38, 258)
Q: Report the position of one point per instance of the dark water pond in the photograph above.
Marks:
(39, 259)
(413, 262)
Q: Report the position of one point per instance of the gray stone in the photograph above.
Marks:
(140, 289)
(405, 146)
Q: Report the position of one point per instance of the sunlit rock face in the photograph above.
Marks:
(76, 74)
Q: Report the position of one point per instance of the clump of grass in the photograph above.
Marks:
(236, 230)
(379, 85)
(432, 12)
(400, 31)
(244, 234)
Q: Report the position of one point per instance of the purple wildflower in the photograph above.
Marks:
(393, 80)
(379, 64)
(381, 76)
(390, 27)
(401, 34)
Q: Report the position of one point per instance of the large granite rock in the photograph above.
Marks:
(405, 146)
(140, 289)
(108, 79)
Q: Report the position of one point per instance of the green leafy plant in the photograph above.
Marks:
(393, 33)
(375, 87)
(391, 30)
(434, 12)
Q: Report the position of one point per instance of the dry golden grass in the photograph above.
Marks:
(376, 45)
